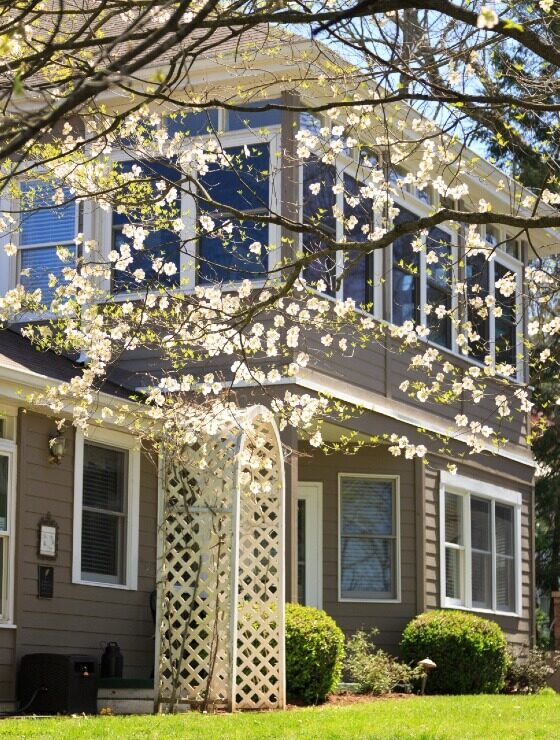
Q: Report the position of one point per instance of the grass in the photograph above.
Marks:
(417, 717)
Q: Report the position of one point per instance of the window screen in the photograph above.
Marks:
(368, 538)
(104, 513)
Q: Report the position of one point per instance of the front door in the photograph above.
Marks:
(310, 544)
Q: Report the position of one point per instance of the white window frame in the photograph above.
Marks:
(420, 209)
(187, 266)
(47, 245)
(124, 442)
(395, 480)
(8, 448)
(466, 487)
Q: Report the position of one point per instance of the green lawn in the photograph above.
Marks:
(431, 717)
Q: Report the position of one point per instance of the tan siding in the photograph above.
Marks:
(79, 617)
(390, 619)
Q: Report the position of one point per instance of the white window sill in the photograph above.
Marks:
(101, 584)
(477, 610)
(8, 626)
(369, 601)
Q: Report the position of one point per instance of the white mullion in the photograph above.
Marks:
(491, 312)
(423, 282)
(339, 234)
(468, 550)
(188, 262)
(493, 546)
(274, 201)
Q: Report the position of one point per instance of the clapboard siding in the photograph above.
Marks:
(390, 619)
(79, 618)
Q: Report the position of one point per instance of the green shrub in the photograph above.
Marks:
(374, 670)
(470, 652)
(314, 653)
(529, 670)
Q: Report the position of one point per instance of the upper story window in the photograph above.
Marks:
(154, 180)
(319, 200)
(225, 252)
(494, 301)
(44, 227)
(255, 118)
(368, 538)
(406, 275)
(480, 545)
(439, 285)
(194, 123)
(358, 224)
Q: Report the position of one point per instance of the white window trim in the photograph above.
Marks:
(124, 442)
(465, 487)
(312, 494)
(8, 449)
(395, 479)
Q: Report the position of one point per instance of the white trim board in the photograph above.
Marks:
(124, 442)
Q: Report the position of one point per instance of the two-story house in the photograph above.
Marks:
(372, 538)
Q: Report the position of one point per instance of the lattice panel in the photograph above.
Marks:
(259, 682)
(220, 593)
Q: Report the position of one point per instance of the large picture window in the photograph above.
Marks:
(369, 538)
(480, 543)
(106, 510)
(44, 227)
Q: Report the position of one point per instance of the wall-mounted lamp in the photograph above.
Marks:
(57, 448)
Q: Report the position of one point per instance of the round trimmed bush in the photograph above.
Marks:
(314, 653)
(470, 652)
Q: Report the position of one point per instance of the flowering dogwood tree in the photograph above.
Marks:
(380, 86)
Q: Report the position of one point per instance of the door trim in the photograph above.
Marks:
(312, 492)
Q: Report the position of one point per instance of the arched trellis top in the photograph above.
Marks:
(221, 569)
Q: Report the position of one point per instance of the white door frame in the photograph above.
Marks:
(312, 494)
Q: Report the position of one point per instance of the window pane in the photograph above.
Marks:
(505, 583)
(318, 213)
(367, 567)
(405, 297)
(453, 518)
(3, 561)
(162, 243)
(225, 259)
(477, 290)
(440, 329)
(41, 222)
(367, 506)
(193, 123)
(254, 119)
(242, 185)
(504, 530)
(481, 580)
(41, 262)
(4, 481)
(102, 538)
(453, 573)
(357, 215)
(480, 525)
(104, 478)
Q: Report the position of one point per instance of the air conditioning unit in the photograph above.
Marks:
(58, 684)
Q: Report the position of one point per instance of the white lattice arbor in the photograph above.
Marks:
(221, 580)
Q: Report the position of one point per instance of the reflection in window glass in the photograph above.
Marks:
(478, 285)
(162, 243)
(438, 292)
(318, 214)
(243, 186)
(254, 119)
(357, 283)
(406, 275)
(506, 324)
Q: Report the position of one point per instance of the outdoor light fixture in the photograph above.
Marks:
(57, 448)
(428, 665)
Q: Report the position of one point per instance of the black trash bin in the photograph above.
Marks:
(58, 684)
